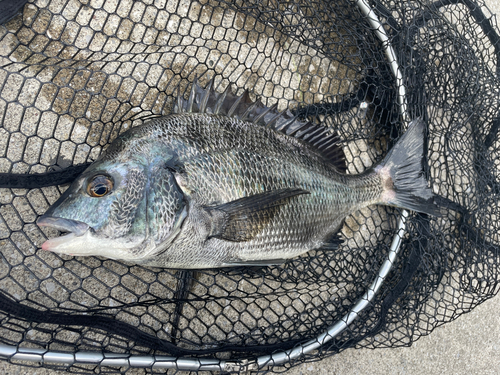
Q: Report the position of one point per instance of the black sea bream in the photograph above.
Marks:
(226, 181)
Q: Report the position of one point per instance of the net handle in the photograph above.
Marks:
(42, 356)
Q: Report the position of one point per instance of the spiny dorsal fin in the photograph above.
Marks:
(207, 100)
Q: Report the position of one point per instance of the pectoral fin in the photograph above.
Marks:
(242, 219)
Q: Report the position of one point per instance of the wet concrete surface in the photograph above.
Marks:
(468, 345)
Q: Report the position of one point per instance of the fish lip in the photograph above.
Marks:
(78, 228)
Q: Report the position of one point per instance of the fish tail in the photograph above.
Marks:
(403, 176)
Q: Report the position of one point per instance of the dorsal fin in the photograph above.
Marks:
(322, 139)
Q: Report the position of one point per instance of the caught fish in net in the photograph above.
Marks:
(78, 75)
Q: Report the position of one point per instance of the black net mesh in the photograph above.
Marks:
(75, 74)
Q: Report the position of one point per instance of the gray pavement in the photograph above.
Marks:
(469, 345)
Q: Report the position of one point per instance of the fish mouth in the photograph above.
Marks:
(63, 225)
(75, 227)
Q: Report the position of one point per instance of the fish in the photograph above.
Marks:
(226, 181)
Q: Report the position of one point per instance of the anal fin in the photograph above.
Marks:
(333, 242)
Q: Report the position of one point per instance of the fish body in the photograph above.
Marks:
(226, 181)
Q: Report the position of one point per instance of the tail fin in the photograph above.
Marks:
(402, 173)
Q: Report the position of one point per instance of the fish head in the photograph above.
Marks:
(118, 210)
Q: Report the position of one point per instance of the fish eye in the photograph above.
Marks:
(99, 186)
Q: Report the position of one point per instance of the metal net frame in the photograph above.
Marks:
(75, 74)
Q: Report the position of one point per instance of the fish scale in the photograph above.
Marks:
(223, 190)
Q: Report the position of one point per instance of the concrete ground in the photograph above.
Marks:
(469, 345)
